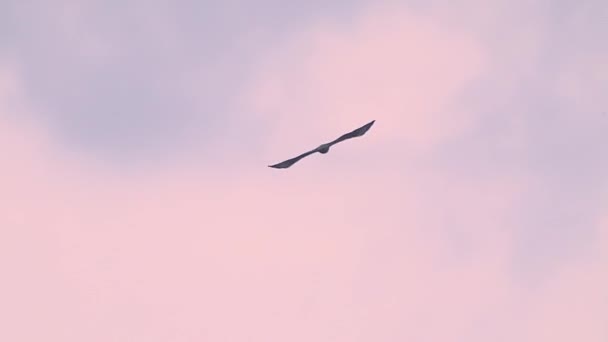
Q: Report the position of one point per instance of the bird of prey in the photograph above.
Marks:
(325, 147)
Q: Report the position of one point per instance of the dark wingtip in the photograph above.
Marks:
(369, 124)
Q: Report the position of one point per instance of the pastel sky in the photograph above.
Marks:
(136, 203)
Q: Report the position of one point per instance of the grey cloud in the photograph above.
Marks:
(529, 126)
(138, 78)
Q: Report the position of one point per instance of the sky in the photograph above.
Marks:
(137, 205)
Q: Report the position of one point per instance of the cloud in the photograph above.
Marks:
(389, 64)
(96, 256)
(137, 83)
(338, 248)
(574, 304)
(186, 253)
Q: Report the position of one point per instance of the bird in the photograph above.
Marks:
(324, 148)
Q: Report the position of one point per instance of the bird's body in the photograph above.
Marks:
(323, 149)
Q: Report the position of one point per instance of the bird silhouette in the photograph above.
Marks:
(325, 147)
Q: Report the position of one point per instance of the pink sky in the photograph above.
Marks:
(453, 219)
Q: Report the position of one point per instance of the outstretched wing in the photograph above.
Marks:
(289, 162)
(356, 133)
(325, 147)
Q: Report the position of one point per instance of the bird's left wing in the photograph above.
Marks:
(289, 162)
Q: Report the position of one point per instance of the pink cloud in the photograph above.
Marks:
(574, 305)
(402, 69)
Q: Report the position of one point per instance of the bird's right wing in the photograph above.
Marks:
(289, 162)
(356, 133)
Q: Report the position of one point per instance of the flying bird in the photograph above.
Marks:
(325, 147)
